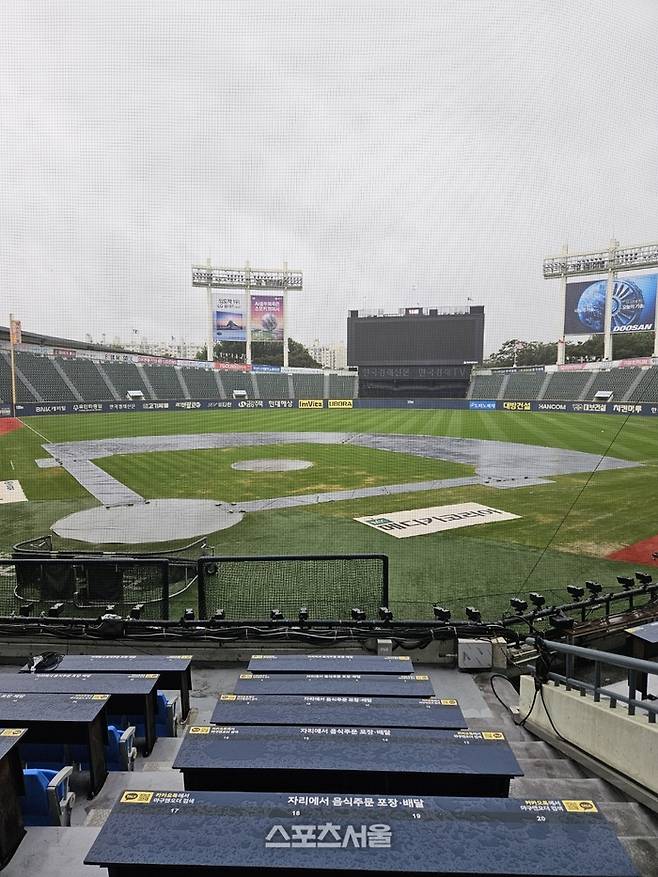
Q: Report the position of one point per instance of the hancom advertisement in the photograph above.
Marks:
(229, 317)
(267, 318)
(633, 305)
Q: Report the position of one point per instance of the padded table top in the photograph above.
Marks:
(368, 685)
(268, 833)
(318, 709)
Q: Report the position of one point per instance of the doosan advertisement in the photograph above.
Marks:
(633, 305)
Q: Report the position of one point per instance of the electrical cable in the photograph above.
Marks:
(520, 724)
(573, 504)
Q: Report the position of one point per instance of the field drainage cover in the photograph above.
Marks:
(271, 465)
(160, 520)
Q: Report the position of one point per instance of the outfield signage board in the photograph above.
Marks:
(267, 318)
(32, 409)
(633, 305)
(229, 317)
(419, 522)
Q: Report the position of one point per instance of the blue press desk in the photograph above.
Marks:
(369, 685)
(62, 718)
(175, 834)
(331, 664)
(128, 693)
(418, 761)
(174, 671)
(318, 709)
(11, 788)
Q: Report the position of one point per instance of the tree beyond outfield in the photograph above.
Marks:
(262, 352)
(524, 353)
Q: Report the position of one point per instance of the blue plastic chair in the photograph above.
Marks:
(166, 719)
(120, 752)
(47, 799)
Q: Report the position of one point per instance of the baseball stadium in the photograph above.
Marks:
(346, 564)
(302, 455)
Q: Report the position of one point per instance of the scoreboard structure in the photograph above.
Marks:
(418, 352)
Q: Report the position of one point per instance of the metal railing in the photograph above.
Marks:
(637, 669)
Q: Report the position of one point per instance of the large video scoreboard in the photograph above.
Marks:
(416, 353)
(416, 337)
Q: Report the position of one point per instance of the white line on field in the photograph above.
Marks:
(11, 463)
(34, 430)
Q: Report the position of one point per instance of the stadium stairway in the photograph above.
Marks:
(59, 852)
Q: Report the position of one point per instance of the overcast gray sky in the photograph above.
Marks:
(396, 152)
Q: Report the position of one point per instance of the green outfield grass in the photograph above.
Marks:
(565, 531)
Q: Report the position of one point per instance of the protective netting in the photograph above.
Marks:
(85, 584)
(329, 587)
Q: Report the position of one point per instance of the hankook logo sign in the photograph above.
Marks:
(418, 522)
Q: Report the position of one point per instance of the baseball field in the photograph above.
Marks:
(582, 488)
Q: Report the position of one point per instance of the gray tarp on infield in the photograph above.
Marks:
(501, 465)
(160, 520)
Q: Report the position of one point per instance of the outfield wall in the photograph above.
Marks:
(31, 409)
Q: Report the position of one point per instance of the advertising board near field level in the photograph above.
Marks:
(418, 522)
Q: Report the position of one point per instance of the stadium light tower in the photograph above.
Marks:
(251, 282)
(608, 262)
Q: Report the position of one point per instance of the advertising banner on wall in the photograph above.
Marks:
(633, 305)
(267, 318)
(229, 318)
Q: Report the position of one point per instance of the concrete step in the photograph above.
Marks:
(162, 754)
(561, 789)
(534, 749)
(643, 852)
(57, 852)
(550, 768)
(511, 731)
(630, 819)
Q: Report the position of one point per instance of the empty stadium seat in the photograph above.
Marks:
(47, 799)
(40, 371)
(308, 386)
(342, 386)
(486, 386)
(125, 376)
(647, 389)
(164, 381)
(120, 752)
(615, 380)
(236, 381)
(524, 385)
(166, 718)
(201, 383)
(22, 394)
(87, 379)
(272, 386)
(566, 386)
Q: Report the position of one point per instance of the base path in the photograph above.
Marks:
(501, 465)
